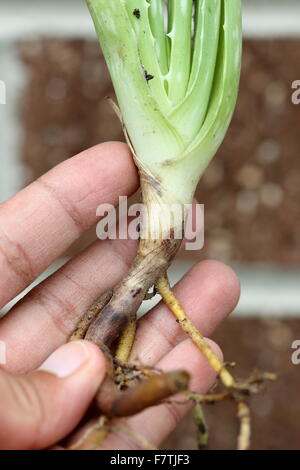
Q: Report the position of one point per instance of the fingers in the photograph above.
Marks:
(47, 316)
(41, 408)
(208, 292)
(42, 221)
(155, 424)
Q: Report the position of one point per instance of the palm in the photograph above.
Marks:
(39, 224)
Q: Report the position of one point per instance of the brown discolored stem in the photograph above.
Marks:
(89, 316)
(158, 245)
(152, 260)
(114, 403)
(106, 320)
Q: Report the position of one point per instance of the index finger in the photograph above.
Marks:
(39, 223)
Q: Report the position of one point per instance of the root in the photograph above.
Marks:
(234, 390)
(243, 412)
(117, 404)
(126, 342)
(95, 435)
(202, 429)
(129, 389)
(92, 437)
(143, 395)
(169, 298)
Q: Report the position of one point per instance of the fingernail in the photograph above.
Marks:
(66, 360)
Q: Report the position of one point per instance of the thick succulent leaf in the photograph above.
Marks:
(175, 65)
(150, 132)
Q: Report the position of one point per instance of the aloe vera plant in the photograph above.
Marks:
(175, 67)
(176, 84)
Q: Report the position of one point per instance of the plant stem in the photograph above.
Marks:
(161, 237)
(89, 316)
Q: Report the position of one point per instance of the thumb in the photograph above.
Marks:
(39, 409)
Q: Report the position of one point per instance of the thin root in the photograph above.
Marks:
(93, 436)
(123, 393)
(234, 390)
(244, 416)
(202, 429)
(126, 342)
(169, 298)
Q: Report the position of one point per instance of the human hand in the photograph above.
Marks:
(40, 407)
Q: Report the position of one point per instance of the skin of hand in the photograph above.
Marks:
(46, 386)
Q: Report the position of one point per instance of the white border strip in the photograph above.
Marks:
(266, 21)
(20, 20)
(266, 290)
(13, 73)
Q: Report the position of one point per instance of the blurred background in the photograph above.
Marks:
(53, 84)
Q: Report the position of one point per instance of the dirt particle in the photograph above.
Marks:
(167, 243)
(137, 13)
(148, 76)
(135, 292)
